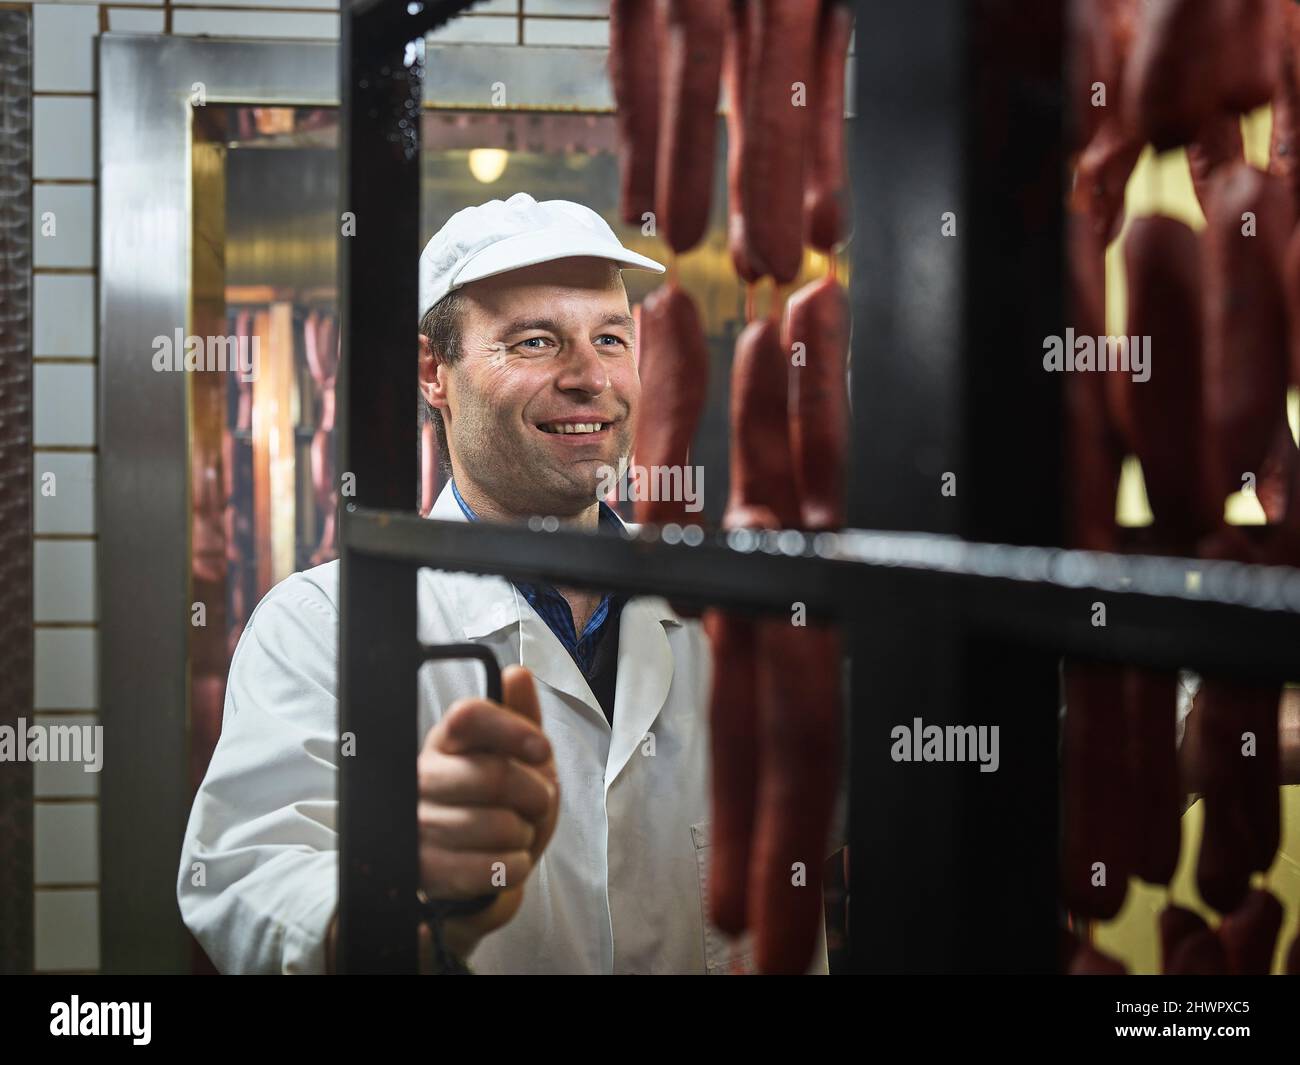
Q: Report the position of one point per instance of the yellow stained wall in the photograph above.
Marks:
(1163, 185)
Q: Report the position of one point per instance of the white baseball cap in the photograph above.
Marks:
(502, 235)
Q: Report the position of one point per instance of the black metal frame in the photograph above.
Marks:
(953, 870)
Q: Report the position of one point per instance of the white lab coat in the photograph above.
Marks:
(621, 888)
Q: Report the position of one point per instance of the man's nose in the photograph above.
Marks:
(583, 371)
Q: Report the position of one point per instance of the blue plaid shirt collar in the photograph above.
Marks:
(553, 608)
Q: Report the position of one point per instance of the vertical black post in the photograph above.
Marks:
(17, 647)
(958, 192)
(379, 249)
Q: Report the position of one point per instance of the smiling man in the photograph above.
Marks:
(578, 810)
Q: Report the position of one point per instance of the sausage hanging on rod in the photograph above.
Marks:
(1172, 81)
(1196, 59)
(673, 363)
(761, 496)
(1094, 451)
(692, 58)
(1217, 145)
(1245, 376)
(1092, 61)
(735, 66)
(1102, 174)
(1151, 707)
(634, 56)
(1291, 281)
(1248, 59)
(1232, 757)
(780, 68)
(734, 758)
(1098, 846)
(1249, 934)
(1177, 924)
(1200, 954)
(1161, 415)
(825, 194)
(1089, 961)
(1284, 138)
(799, 726)
(817, 318)
(763, 493)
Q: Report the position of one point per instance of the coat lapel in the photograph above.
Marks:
(645, 673)
(486, 604)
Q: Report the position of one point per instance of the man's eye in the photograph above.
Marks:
(534, 343)
(611, 336)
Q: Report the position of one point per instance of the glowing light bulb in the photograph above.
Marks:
(488, 164)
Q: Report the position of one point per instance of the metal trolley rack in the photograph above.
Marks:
(948, 610)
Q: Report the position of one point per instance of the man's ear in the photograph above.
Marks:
(433, 376)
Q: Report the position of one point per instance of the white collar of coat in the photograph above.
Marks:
(487, 602)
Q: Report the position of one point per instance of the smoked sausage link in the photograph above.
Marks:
(1094, 451)
(1172, 81)
(1284, 140)
(1151, 705)
(817, 316)
(1248, 58)
(1089, 961)
(799, 721)
(673, 363)
(1162, 413)
(1177, 923)
(1250, 933)
(1200, 954)
(1244, 383)
(692, 60)
(734, 757)
(1097, 850)
(824, 195)
(1113, 146)
(634, 57)
(1214, 734)
(776, 133)
(1218, 144)
(762, 491)
(735, 67)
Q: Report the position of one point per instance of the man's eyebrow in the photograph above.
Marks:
(550, 325)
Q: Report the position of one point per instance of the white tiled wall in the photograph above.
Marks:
(66, 667)
(63, 308)
(65, 226)
(65, 374)
(63, 405)
(67, 930)
(64, 488)
(64, 780)
(64, 580)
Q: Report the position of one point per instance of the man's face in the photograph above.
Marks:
(546, 354)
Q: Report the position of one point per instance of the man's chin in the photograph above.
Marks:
(573, 488)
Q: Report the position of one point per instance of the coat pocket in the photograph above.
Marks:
(723, 955)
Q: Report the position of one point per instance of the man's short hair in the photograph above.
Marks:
(441, 325)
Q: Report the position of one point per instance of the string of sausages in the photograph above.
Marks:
(1222, 311)
(775, 707)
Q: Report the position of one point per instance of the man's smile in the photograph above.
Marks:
(584, 429)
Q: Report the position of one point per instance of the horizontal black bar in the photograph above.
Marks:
(1171, 612)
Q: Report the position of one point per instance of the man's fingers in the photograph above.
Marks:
(520, 693)
(464, 874)
(480, 726)
(474, 828)
(485, 780)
